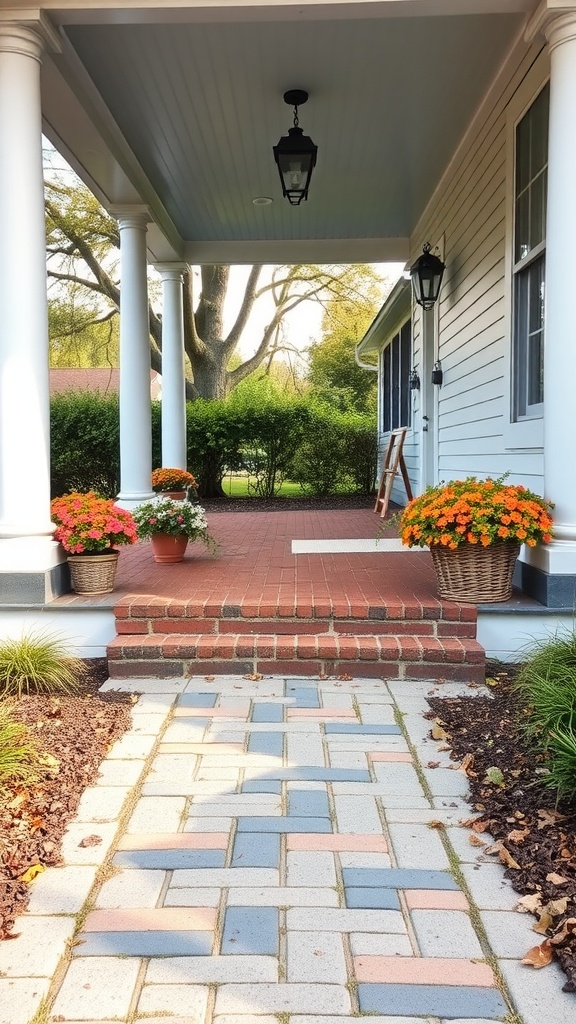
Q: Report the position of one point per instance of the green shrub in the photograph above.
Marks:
(37, 664)
(85, 443)
(18, 756)
(546, 685)
(274, 426)
(215, 436)
(338, 453)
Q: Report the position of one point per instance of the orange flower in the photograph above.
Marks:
(484, 540)
(521, 534)
(503, 532)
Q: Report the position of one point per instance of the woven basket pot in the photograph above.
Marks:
(93, 574)
(475, 574)
(168, 548)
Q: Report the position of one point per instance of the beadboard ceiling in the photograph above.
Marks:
(200, 106)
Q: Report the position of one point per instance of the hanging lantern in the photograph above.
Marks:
(295, 154)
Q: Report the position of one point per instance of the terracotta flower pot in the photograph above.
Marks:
(177, 495)
(168, 548)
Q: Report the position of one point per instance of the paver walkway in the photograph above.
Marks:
(287, 855)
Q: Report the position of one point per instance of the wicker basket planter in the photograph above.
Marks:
(93, 574)
(475, 574)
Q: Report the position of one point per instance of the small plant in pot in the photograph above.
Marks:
(474, 529)
(173, 483)
(169, 524)
(90, 529)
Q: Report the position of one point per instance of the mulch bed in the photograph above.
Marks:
(300, 504)
(75, 734)
(534, 837)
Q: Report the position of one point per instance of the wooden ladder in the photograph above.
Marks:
(393, 462)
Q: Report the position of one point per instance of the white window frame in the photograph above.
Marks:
(527, 432)
(396, 333)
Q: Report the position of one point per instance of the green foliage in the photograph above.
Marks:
(18, 756)
(338, 453)
(38, 663)
(274, 425)
(85, 443)
(78, 335)
(215, 436)
(546, 685)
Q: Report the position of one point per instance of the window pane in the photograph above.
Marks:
(538, 209)
(529, 337)
(538, 114)
(535, 383)
(395, 412)
(386, 391)
(523, 154)
(522, 246)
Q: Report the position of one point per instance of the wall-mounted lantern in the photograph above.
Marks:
(437, 375)
(426, 274)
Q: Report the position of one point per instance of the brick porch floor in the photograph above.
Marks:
(258, 607)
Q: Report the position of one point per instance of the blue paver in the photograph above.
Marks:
(281, 824)
(170, 859)
(398, 878)
(262, 786)
(145, 944)
(266, 743)
(197, 700)
(308, 803)
(372, 899)
(447, 1001)
(264, 712)
(364, 730)
(304, 696)
(313, 774)
(256, 850)
(251, 930)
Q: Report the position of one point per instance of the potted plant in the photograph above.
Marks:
(169, 525)
(474, 529)
(172, 483)
(90, 528)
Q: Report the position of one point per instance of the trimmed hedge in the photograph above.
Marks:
(273, 436)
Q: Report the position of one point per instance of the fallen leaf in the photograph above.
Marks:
(467, 763)
(474, 841)
(558, 907)
(436, 824)
(323, 675)
(490, 681)
(507, 859)
(539, 956)
(517, 835)
(544, 922)
(209, 679)
(567, 931)
(556, 879)
(344, 678)
(438, 733)
(547, 817)
(530, 904)
(30, 875)
(433, 764)
(92, 840)
(254, 676)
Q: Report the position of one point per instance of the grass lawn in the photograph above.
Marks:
(237, 487)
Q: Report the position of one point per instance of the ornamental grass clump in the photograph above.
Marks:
(476, 511)
(39, 663)
(18, 756)
(87, 524)
(175, 518)
(167, 479)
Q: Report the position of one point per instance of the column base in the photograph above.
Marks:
(131, 501)
(553, 590)
(33, 570)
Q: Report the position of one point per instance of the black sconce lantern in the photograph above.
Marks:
(295, 154)
(414, 380)
(426, 274)
(437, 375)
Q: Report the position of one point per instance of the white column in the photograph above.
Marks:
(173, 375)
(560, 347)
(25, 529)
(135, 411)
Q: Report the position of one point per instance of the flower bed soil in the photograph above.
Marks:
(533, 836)
(74, 734)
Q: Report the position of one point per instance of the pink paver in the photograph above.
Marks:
(177, 841)
(340, 843)
(164, 919)
(321, 713)
(389, 755)
(405, 970)
(435, 899)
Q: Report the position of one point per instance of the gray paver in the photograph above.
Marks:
(213, 969)
(538, 994)
(37, 949)
(445, 933)
(82, 995)
(288, 998)
(131, 888)
(316, 956)
(510, 933)
(181, 1000)
(61, 890)
(20, 998)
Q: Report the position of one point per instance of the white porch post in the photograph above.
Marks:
(559, 558)
(135, 412)
(173, 375)
(28, 555)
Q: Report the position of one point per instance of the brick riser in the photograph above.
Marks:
(392, 657)
(167, 638)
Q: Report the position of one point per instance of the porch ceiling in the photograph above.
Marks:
(199, 106)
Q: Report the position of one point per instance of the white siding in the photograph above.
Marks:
(469, 213)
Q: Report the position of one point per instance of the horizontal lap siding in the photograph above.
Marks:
(470, 212)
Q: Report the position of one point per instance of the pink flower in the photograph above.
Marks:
(152, 521)
(180, 519)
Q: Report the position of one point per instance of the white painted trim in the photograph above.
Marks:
(509, 636)
(376, 545)
(87, 630)
(308, 250)
(392, 314)
(526, 434)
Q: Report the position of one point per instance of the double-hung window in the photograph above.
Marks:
(395, 395)
(529, 263)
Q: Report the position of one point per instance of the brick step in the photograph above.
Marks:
(314, 627)
(379, 656)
